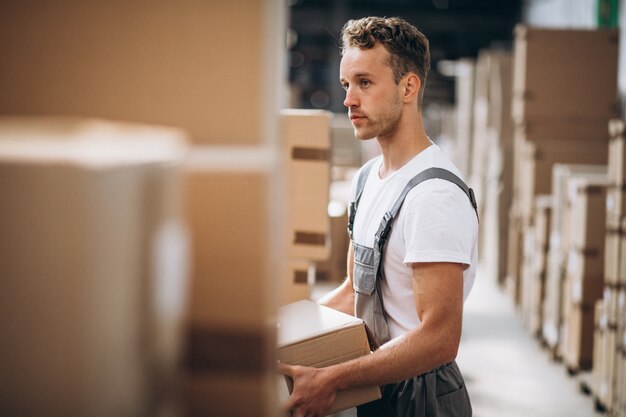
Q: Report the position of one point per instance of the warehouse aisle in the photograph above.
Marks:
(506, 370)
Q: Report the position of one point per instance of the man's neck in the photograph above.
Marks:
(400, 148)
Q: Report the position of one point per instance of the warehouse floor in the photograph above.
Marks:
(506, 370)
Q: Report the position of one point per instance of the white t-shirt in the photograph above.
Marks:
(436, 223)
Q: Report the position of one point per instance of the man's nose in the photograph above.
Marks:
(351, 99)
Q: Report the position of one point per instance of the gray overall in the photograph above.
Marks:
(440, 392)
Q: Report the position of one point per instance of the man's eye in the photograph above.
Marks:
(365, 83)
(344, 86)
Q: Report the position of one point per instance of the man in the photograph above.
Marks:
(413, 251)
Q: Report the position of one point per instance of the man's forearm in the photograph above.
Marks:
(415, 353)
(341, 298)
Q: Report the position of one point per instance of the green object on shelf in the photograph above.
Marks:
(607, 13)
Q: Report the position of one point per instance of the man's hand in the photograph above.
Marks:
(313, 390)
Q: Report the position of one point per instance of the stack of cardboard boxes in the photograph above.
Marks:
(491, 156)
(560, 232)
(534, 266)
(171, 64)
(584, 271)
(306, 156)
(230, 330)
(610, 320)
(560, 112)
(94, 267)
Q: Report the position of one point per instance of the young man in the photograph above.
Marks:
(412, 259)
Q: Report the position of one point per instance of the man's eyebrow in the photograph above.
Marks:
(357, 75)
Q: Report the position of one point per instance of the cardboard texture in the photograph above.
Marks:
(612, 254)
(143, 62)
(306, 152)
(228, 216)
(229, 395)
(536, 160)
(616, 200)
(597, 371)
(617, 153)
(313, 335)
(296, 281)
(335, 268)
(493, 142)
(588, 231)
(570, 90)
(90, 218)
(621, 259)
(579, 339)
(515, 258)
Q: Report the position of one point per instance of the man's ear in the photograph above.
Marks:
(412, 86)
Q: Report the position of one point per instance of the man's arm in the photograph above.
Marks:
(342, 297)
(438, 294)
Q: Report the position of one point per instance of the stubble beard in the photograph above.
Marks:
(381, 126)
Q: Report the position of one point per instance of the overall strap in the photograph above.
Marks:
(385, 225)
(360, 185)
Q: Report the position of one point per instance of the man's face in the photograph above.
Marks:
(373, 98)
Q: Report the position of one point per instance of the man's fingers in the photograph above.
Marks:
(285, 369)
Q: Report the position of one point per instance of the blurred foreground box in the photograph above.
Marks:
(230, 326)
(310, 334)
(93, 266)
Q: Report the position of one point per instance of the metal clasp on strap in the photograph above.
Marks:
(383, 230)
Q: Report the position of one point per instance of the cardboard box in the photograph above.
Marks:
(305, 332)
(560, 175)
(148, 63)
(616, 200)
(295, 285)
(621, 276)
(335, 268)
(515, 258)
(93, 266)
(306, 152)
(229, 220)
(612, 249)
(233, 394)
(617, 154)
(586, 197)
(579, 340)
(554, 287)
(570, 90)
(597, 371)
(536, 160)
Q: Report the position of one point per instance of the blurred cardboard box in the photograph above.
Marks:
(555, 84)
(295, 286)
(164, 64)
(306, 152)
(536, 160)
(93, 266)
(229, 395)
(230, 335)
(310, 334)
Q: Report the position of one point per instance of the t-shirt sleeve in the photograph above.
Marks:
(440, 224)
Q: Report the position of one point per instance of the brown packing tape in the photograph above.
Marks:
(228, 350)
(591, 189)
(300, 277)
(310, 154)
(309, 238)
(588, 252)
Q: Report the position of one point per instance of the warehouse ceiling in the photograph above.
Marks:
(456, 29)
